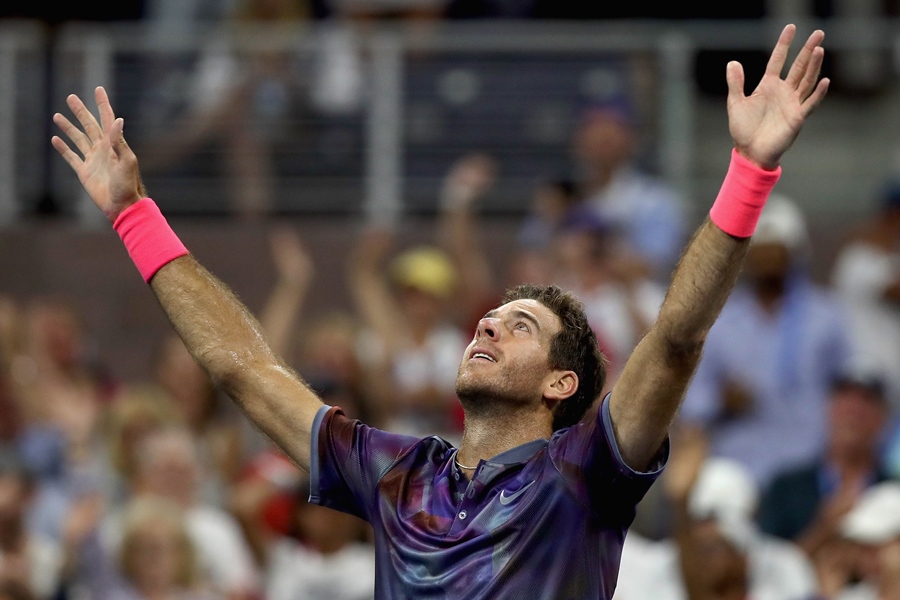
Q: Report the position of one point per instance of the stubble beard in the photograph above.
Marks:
(488, 395)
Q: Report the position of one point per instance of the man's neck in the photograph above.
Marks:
(487, 436)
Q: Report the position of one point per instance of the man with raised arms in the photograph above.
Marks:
(536, 501)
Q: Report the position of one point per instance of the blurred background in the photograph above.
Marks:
(369, 176)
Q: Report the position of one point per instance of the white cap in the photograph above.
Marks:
(782, 222)
(727, 493)
(875, 518)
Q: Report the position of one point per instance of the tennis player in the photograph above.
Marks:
(536, 501)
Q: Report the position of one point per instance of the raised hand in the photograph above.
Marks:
(765, 123)
(468, 179)
(106, 167)
(292, 261)
(690, 453)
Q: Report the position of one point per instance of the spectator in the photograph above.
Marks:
(311, 558)
(156, 558)
(27, 558)
(238, 99)
(867, 565)
(469, 179)
(210, 417)
(294, 271)
(648, 212)
(552, 201)
(169, 467)
(313, 563)
(620, 300)
(533, 260)
(416, 345)
(867, 275)
(62, 394)
(762, 387)
(327, 354)
(717, 552)
(138, 412)
(60, 387)
(806, 504)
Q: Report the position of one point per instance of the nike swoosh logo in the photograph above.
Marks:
(504, 499)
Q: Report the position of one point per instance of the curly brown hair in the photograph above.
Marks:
(574, 348)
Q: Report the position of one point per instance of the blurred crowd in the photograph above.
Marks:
(784, 480)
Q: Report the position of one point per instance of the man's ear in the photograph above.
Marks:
(561, 385)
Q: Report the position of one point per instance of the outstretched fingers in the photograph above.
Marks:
(813, 101)
(779, 54)
(77, 136)
(807, 54)
(84, 116)
(67, 153)
(811, 74)
(107, 116)
(734, 76)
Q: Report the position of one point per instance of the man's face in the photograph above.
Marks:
(508, 358)
(604, 141)
(725, 568)
(857, 416)
(767, 261)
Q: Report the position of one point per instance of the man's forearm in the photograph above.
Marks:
(702, 282)
(229, 344)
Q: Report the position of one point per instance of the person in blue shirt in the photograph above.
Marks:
(536, 500)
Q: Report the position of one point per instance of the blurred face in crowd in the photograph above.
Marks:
(169, 467)
(725, 567)
(856, 416)
(578, 251)
(420, 306)
(508, 358)
(154, 555)
(767, 264)
(605, 141)
(55, 334)
(330, 348)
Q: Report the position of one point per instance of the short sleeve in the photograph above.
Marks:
(588, 458)
(348, 459)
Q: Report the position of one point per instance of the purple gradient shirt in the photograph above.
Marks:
(546, 519)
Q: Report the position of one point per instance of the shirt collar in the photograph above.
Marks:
(500, 462)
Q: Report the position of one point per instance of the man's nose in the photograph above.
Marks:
(489, 327)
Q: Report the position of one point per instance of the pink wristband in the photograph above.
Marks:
(150, 241)
(742, 196)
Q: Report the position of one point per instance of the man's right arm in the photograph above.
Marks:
(228, 342)
(220, 333)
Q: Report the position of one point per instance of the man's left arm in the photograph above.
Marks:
(653, 382)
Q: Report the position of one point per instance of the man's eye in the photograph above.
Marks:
(522, 326)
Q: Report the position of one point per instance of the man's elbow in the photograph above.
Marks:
(683, 353)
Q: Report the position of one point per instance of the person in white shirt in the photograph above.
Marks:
(168, 467)
(866, 566)
(717, 551)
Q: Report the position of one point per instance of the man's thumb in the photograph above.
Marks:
(117, 135)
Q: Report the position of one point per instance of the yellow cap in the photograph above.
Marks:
(425, 268)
